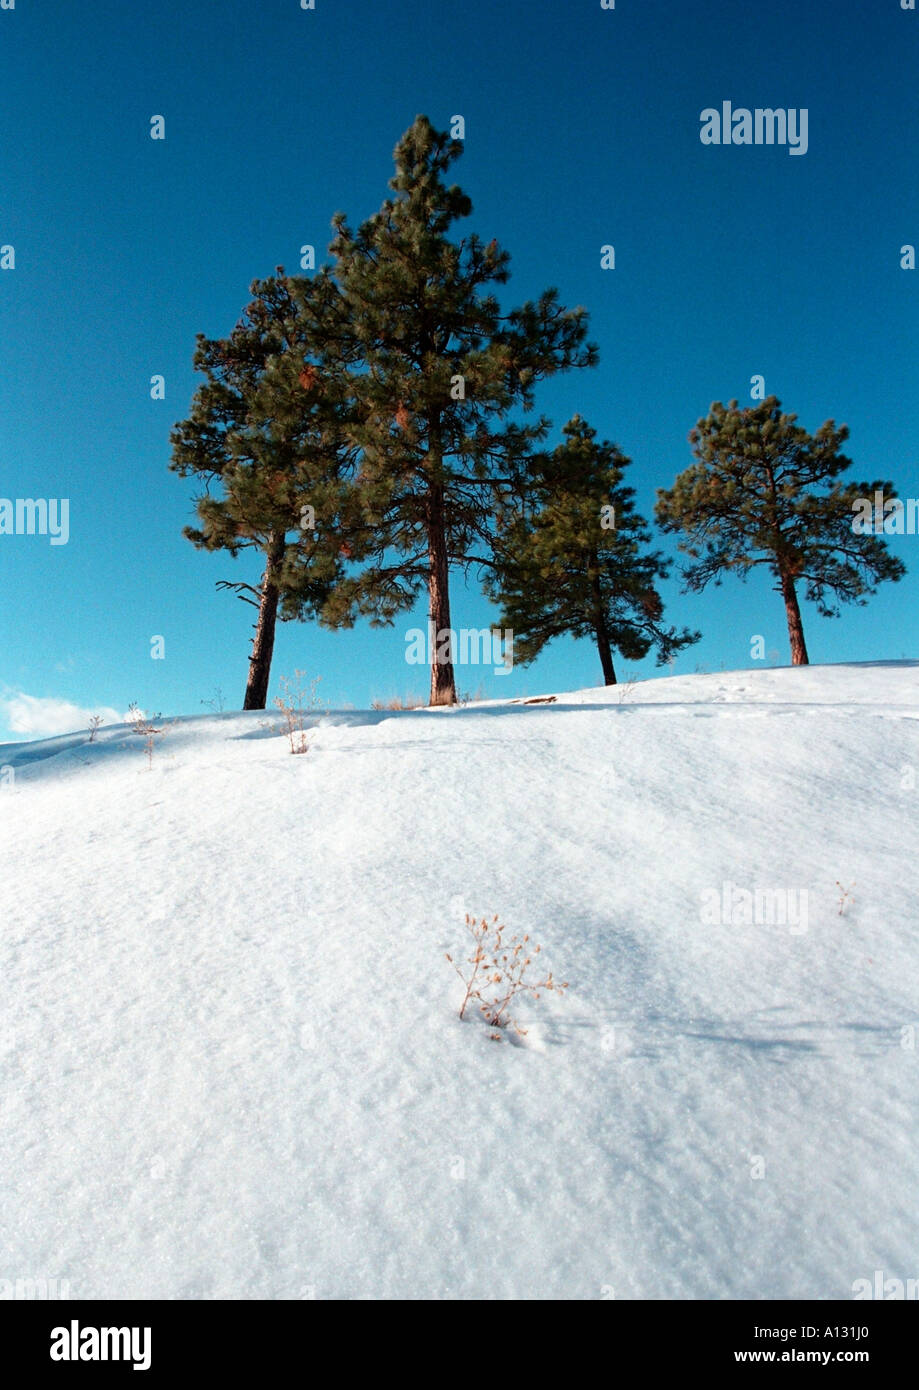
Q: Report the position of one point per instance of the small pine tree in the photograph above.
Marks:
(571, 559)
(765, 492)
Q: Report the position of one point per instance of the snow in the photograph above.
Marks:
(230, 1059)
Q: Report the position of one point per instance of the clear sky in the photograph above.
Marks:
(582, 128)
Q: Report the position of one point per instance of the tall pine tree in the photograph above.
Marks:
(441, 368)
(572, 558)
(266, 433)
(765, 492)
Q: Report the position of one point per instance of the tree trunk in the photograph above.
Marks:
(443, 685)
(602, 636)
(263, 642)
(795, 626)
(606, 656)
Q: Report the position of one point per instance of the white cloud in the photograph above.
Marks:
(43, 717)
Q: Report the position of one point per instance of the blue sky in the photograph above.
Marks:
(582, 128)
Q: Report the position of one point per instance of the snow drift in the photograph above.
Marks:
(230, 1058)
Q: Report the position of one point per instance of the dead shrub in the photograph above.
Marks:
(498, 975)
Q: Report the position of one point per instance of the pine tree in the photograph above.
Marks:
(265, 430)
(440, 369)
(571, 558)
(765, 492)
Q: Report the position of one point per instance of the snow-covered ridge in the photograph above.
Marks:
(230, 1062)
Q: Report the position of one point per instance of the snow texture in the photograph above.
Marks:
(230, 1059)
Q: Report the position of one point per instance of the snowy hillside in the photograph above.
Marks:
(230, 1058)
